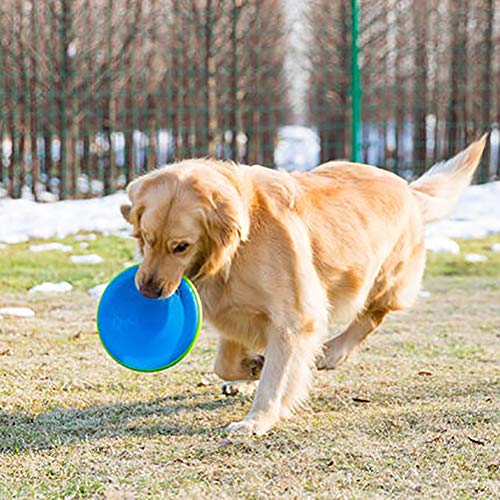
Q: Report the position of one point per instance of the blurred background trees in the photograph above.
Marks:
(105, 89)
(95, 92)
(430, 78)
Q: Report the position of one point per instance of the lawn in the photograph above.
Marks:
(414, 414)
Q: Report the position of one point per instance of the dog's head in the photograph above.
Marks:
(189, 219)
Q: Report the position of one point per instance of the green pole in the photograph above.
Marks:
(355, 86)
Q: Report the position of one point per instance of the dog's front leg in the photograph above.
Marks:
(266, 409)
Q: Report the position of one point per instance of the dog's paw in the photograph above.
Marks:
(286, 413)
(243, 387)
(248, 427)
(334, 354)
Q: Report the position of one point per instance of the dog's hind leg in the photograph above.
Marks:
(394, 290)
(338, 349)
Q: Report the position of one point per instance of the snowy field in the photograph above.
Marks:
(21, 220)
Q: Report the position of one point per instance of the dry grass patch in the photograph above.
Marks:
(414, 414)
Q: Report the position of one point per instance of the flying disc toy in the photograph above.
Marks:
(144, 334)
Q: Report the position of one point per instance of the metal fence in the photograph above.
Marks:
(95, 92)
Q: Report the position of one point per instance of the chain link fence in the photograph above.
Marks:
(96, 92)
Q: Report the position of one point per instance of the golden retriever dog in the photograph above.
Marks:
(276, 257)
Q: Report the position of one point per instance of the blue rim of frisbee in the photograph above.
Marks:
(181, 356)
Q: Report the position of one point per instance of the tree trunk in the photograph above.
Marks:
(420, 89)
(484, 173)
(211, 82)
(151, 103)
(457, 72)
(13, 189)
(233, 85)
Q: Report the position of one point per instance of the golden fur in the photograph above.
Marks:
(276, 257)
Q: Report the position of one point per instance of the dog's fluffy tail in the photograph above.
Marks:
(439, 188)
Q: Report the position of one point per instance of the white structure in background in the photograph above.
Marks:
(297, 148)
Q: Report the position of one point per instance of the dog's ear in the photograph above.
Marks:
(132, 190)
(125, 210)
(226, 224)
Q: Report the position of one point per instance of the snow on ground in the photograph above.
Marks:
(441, 244)
(45, 247)
(475, 258)
(85, 237)
(86, 259)
(49, 287)
(495, 247)
(22, 312)
(476, 215)
(24, 219)
(97, 291)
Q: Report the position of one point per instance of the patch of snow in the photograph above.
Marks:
(441, 244)
(47, 197)
(97, 290)
(13, 237)
(475, 257)
(45, 247)
(425, 294)
(477, 214)
(495, 247)
(48, 287)
(26, 193)
(85, 237)
(84, 245)
(24, 219)
(86, 259)
(125, 234)
(96, 186)
(22, 312)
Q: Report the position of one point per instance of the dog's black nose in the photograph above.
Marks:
(150, 290)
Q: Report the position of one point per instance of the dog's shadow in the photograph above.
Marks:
(20, 431)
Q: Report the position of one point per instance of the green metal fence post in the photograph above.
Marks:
(356, 91)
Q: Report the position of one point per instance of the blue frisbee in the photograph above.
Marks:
(147, 335)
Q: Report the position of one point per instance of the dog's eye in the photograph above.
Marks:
(181, 247)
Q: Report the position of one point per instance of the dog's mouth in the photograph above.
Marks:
(150, 292)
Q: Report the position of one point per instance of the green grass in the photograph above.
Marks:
(74, 424)
(21, 269)
(455, 265)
